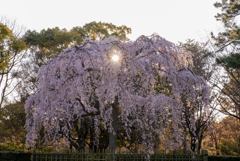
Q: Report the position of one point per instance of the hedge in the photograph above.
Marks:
(26, 156)
(223, 158)
(15, 156)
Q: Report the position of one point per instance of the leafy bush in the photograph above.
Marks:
(228, 148)
(11, 147)
(223, 158)
(15, 156)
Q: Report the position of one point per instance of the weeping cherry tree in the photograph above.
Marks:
(138, 83)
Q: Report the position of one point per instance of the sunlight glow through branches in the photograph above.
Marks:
(115, 58)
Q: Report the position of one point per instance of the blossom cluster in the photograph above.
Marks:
(148, 80)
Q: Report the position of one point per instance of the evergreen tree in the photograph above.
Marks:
(228, 57)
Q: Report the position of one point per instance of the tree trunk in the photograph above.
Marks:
(91, 144)
(217, 149)
(193, 143)
(70, 148)
(113, 134)
(136, 148)
(184, 139)
(199, 143)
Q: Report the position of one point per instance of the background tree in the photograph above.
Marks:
(12, 122)
(197, 114)
(11, 51)
(213, 140)
(229, 87)
(230, 36)
(230, 142)
(51, 42)
(224, 139)
(99, 31)
(200, 63)
(201, 58)
(227, 43)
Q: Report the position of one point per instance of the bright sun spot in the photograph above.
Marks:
(115, 58)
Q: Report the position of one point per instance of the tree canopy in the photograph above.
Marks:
(227, 57)
(11, 48)
(84, 81)
(48, 43)
(51, 42)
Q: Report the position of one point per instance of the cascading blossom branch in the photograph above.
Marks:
(145, 85)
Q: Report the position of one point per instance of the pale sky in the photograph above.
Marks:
(175, 20)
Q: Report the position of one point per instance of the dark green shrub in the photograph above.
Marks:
(228, 148)
(223, 158)
(15, 156)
